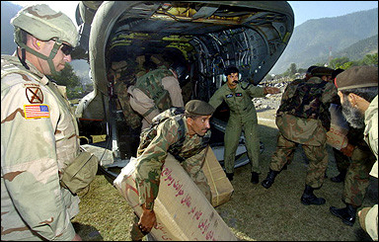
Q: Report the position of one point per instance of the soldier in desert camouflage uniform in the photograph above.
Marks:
(39, 134)
(194, 128)
(304, 118)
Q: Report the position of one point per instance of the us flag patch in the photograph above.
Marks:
(36, 111)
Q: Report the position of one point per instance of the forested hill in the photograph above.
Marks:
(313, 40)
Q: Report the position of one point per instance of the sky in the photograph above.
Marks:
(303, 10)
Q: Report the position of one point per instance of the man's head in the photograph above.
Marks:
(309, 71)
(47, 35)
(325, 73)
(232, 74)
(198, 114)
(357, 87)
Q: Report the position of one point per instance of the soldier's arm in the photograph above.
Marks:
(148, 169)
(217, 98)
(29, 167)
(255, 91)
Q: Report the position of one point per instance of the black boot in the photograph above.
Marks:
(346, 214)
(266, 183)
(339, 178)
(254, 177)
(230, 176)
(309, 198)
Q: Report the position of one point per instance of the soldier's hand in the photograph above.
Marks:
(147, 221)
(271, 90)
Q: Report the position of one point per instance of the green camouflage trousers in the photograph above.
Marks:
(317, 156)
(357, 176)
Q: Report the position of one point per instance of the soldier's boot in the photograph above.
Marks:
(229, 176)
(346, 214)
(339, 178)
(309, 198)
(266, 183)
(254, 178)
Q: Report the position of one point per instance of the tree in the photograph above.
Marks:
(70, 80)
(370, 60)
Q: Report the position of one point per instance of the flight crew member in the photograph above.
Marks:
(154, 92)
(358, 92)
(195, 126)
(243, 117)
(304, 119)
(39, 134)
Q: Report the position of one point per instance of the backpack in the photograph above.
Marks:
(148, 134)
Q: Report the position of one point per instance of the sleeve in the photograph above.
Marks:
(216, 98)
(171, 84)
(29, 163)
(255, 91)
(149, 167)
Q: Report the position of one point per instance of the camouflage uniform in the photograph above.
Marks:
(360, 164)
(305, 122)
(39, 138)
(155, 92)
(152, 158)
(243, 116)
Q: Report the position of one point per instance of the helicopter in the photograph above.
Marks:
(201, 38)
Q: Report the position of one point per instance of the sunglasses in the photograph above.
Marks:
(66, 49)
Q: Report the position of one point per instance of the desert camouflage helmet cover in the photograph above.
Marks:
(44, 23)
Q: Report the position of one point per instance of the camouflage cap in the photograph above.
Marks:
(45, 24)
(322, 71)
(357, 77)
(200, 108)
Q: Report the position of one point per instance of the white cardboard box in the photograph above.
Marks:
(183, 213)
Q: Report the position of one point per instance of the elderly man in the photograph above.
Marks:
(185, 136)
(39, 134)
(358, 92)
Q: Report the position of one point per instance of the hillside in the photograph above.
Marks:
(312, 40)
(8, 11)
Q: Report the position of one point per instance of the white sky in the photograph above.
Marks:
(304, 10)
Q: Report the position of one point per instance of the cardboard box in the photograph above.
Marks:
(183, 213)
(221, 188)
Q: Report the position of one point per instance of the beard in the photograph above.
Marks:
(353, 115)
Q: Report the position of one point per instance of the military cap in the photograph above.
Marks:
(45, 24)
(199, 108)
(322, 71)
(357, 77)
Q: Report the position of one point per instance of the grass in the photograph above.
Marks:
(253, 213)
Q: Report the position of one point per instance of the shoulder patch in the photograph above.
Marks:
(34, 94)
(36, 111)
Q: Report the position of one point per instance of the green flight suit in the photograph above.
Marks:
(243, 117)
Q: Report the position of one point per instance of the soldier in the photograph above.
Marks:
(39, 134)
(358, 92)
(304, 119)
(186, 137)
(243, 117)
(295, 82)
(154, 92)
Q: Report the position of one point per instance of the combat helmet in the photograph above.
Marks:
(45, 24)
